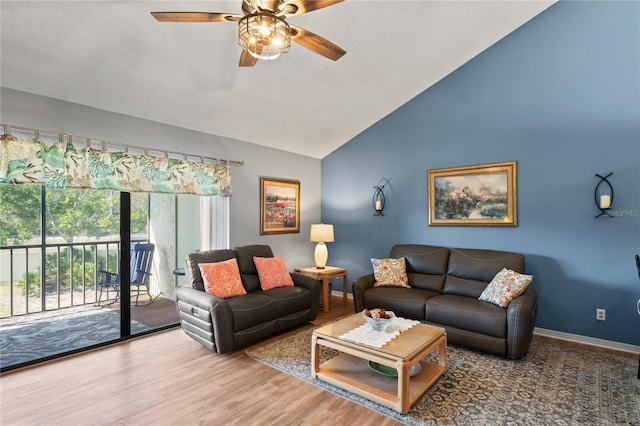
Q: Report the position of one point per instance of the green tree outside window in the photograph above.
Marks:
(70, 216)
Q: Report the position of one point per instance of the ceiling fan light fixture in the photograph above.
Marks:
(264, 35)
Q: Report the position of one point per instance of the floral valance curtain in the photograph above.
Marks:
(61, 165)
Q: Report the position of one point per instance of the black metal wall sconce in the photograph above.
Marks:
(604, 195)
(378, 198)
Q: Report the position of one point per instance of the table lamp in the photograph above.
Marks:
(321, 234)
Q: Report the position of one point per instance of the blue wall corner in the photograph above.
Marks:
(561, 96)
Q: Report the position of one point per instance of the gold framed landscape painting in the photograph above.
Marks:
(482, 195)
(279, 206)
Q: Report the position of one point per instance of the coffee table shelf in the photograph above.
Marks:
(353, 374)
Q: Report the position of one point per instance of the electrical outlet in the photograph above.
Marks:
(601, 314)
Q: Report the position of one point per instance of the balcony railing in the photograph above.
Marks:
(71, 271)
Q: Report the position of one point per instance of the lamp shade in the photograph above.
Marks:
(321, 233)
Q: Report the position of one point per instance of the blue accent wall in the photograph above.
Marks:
(561, 96)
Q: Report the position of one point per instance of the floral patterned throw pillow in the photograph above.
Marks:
(505, 286)
(390, 272)
(272, 272)
(222, 279)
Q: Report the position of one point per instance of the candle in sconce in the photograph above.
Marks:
(605, 201)
(378, 205)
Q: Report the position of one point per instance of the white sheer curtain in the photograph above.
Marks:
(214, 223)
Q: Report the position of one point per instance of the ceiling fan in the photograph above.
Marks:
(263, 32)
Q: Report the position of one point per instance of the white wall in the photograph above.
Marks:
(188, 237)
(33, 111)
(162, 233)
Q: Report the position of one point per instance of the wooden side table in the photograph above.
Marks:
(325, 275)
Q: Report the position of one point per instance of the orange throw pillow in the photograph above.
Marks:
(222, 279)
(272, 272)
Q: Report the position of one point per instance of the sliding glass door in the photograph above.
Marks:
(64, 260)
(80, 268)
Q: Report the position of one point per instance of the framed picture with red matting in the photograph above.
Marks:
(279, 206)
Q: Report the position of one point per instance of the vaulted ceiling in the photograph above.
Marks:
(114, 56)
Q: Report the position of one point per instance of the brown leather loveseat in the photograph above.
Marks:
(445, 286)
(227, 324)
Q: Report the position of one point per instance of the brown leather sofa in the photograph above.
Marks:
(445, 286)
(224, 325)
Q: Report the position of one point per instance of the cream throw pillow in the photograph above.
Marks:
(505, 286)
(390, 272)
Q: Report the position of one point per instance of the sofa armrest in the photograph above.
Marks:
(359, 287)
(521, 319)
(206, 318)
(313, 286)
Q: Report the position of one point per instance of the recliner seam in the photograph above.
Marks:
(484, 260)
(460, 310)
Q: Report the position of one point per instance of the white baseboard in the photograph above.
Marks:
(586, 340)
(339, 294)
(559, 335)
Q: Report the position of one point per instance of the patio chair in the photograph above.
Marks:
(141, 259)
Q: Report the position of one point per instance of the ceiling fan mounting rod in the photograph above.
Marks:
(263, 5)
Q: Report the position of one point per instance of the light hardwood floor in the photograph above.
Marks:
(169, 379)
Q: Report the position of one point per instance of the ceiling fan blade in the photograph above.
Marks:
(298, 7)
(246, 60)
(194, 17)
(316, 44)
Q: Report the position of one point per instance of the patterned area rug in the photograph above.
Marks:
(554, 384)
(31, 342)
